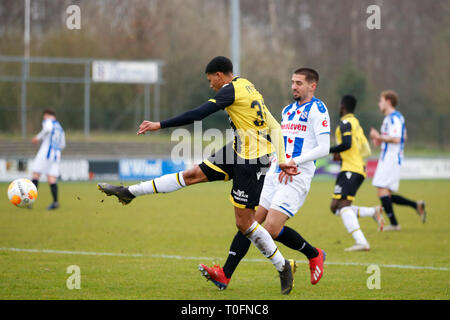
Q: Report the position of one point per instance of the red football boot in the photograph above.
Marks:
(216, 275)
(316, 266)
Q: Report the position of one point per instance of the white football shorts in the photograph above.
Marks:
(287, 198)
(45, 166)
(387, 175)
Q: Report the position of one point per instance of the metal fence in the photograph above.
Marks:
(25, 78)
(80, 109)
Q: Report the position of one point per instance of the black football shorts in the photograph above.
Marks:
(347, 184)
(247, 175)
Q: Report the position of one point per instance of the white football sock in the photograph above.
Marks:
(352, 225)
(164, 184)
(364, 211)
(264, 242)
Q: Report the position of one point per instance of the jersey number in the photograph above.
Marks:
(260, 113)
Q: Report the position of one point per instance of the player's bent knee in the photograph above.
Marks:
(244, 222)
(342, 203)
(242, 226)
(194, 175)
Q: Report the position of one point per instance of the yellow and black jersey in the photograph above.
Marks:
(352, 145)
(252, 122)
(257, 133)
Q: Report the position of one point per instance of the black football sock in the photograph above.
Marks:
(238, 250)
(386, 201)
(36, 182)
(291, 239)
(54, 189)
(397, 199)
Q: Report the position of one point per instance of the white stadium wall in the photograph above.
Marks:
(145, 169)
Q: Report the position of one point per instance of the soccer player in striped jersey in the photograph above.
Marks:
(245, 160)
(306, 130)
(352, 147)
(387, 175)
(48, 157)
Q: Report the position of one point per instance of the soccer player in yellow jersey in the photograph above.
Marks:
(245, 160)
(306, 131)
(352, 147)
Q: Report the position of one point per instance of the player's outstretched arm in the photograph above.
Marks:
(186, 118)
(321, 150)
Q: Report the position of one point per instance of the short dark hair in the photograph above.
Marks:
(50, 112)
(349, 103)
(219, 64)
(311, 75)
(392, 96)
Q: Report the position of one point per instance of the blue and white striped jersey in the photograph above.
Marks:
(301, 124)
(53, 140)
(393, 126)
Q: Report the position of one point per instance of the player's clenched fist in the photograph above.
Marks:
(148, 126)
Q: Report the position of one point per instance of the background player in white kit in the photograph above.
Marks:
(306, 130)
(49, 155)
(387, 175)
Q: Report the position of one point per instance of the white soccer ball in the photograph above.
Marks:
(22, 193)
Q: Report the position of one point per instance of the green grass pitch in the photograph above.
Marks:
(158, 242)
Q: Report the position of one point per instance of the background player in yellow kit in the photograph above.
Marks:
(352, 147)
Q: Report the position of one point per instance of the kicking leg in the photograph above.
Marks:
(164, 184)
(169, 182)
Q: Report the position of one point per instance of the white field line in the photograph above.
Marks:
(177, 257)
